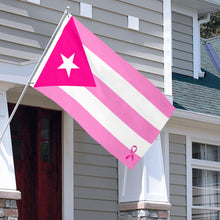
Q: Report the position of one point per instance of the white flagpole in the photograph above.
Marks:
(66, 13)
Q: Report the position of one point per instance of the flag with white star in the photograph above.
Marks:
(113, 102)
(65, 63)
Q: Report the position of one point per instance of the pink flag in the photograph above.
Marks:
(113, 102)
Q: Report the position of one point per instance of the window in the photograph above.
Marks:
(46, 140)
(205, 181)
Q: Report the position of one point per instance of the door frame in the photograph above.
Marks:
(67, 166)
(67, 161)
(67, 143)
(34, 98)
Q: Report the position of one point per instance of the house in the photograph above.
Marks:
(193, 178)
(58, 170)
(193, 168)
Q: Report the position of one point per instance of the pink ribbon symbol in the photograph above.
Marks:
(132, 152)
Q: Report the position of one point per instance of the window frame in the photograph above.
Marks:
(198, 164)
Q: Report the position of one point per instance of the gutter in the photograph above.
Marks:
(206, 19)
(216, 2)
(195, 116)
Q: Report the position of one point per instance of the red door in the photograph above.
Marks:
(36, 142)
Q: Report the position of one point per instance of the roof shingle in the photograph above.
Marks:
(199, 95)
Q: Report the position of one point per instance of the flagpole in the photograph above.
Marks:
(66, 13)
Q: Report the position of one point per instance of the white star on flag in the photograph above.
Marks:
(68, 64)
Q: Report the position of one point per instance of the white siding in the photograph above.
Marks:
(182, 33)
(177, 176)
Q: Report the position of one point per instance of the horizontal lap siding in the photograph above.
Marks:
(177, 176)
(95, 175)
(26, 29)
(95, 170)
(182, 33)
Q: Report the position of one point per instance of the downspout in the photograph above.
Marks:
(205, 20)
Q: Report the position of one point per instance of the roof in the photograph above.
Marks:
(200, 95)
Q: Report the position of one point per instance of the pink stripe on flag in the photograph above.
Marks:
(142, 84)
(91, 125)
(127, 114)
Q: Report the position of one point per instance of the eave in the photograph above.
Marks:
(202, 6)
(196, 116)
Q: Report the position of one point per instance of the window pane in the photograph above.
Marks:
(206, 152)
(206, 190)
(199, 177)
(45, 128)
(199, 214)
(199, 186)
(46, 151)
(198, 151)
(213, 152)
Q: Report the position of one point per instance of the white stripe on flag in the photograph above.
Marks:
(107, 119)
(125, 90)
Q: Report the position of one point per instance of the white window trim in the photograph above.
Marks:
(189, 176)
(196, 36)
(200, 164)
(207, 165)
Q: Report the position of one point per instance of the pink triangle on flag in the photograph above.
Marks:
(67, 65)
